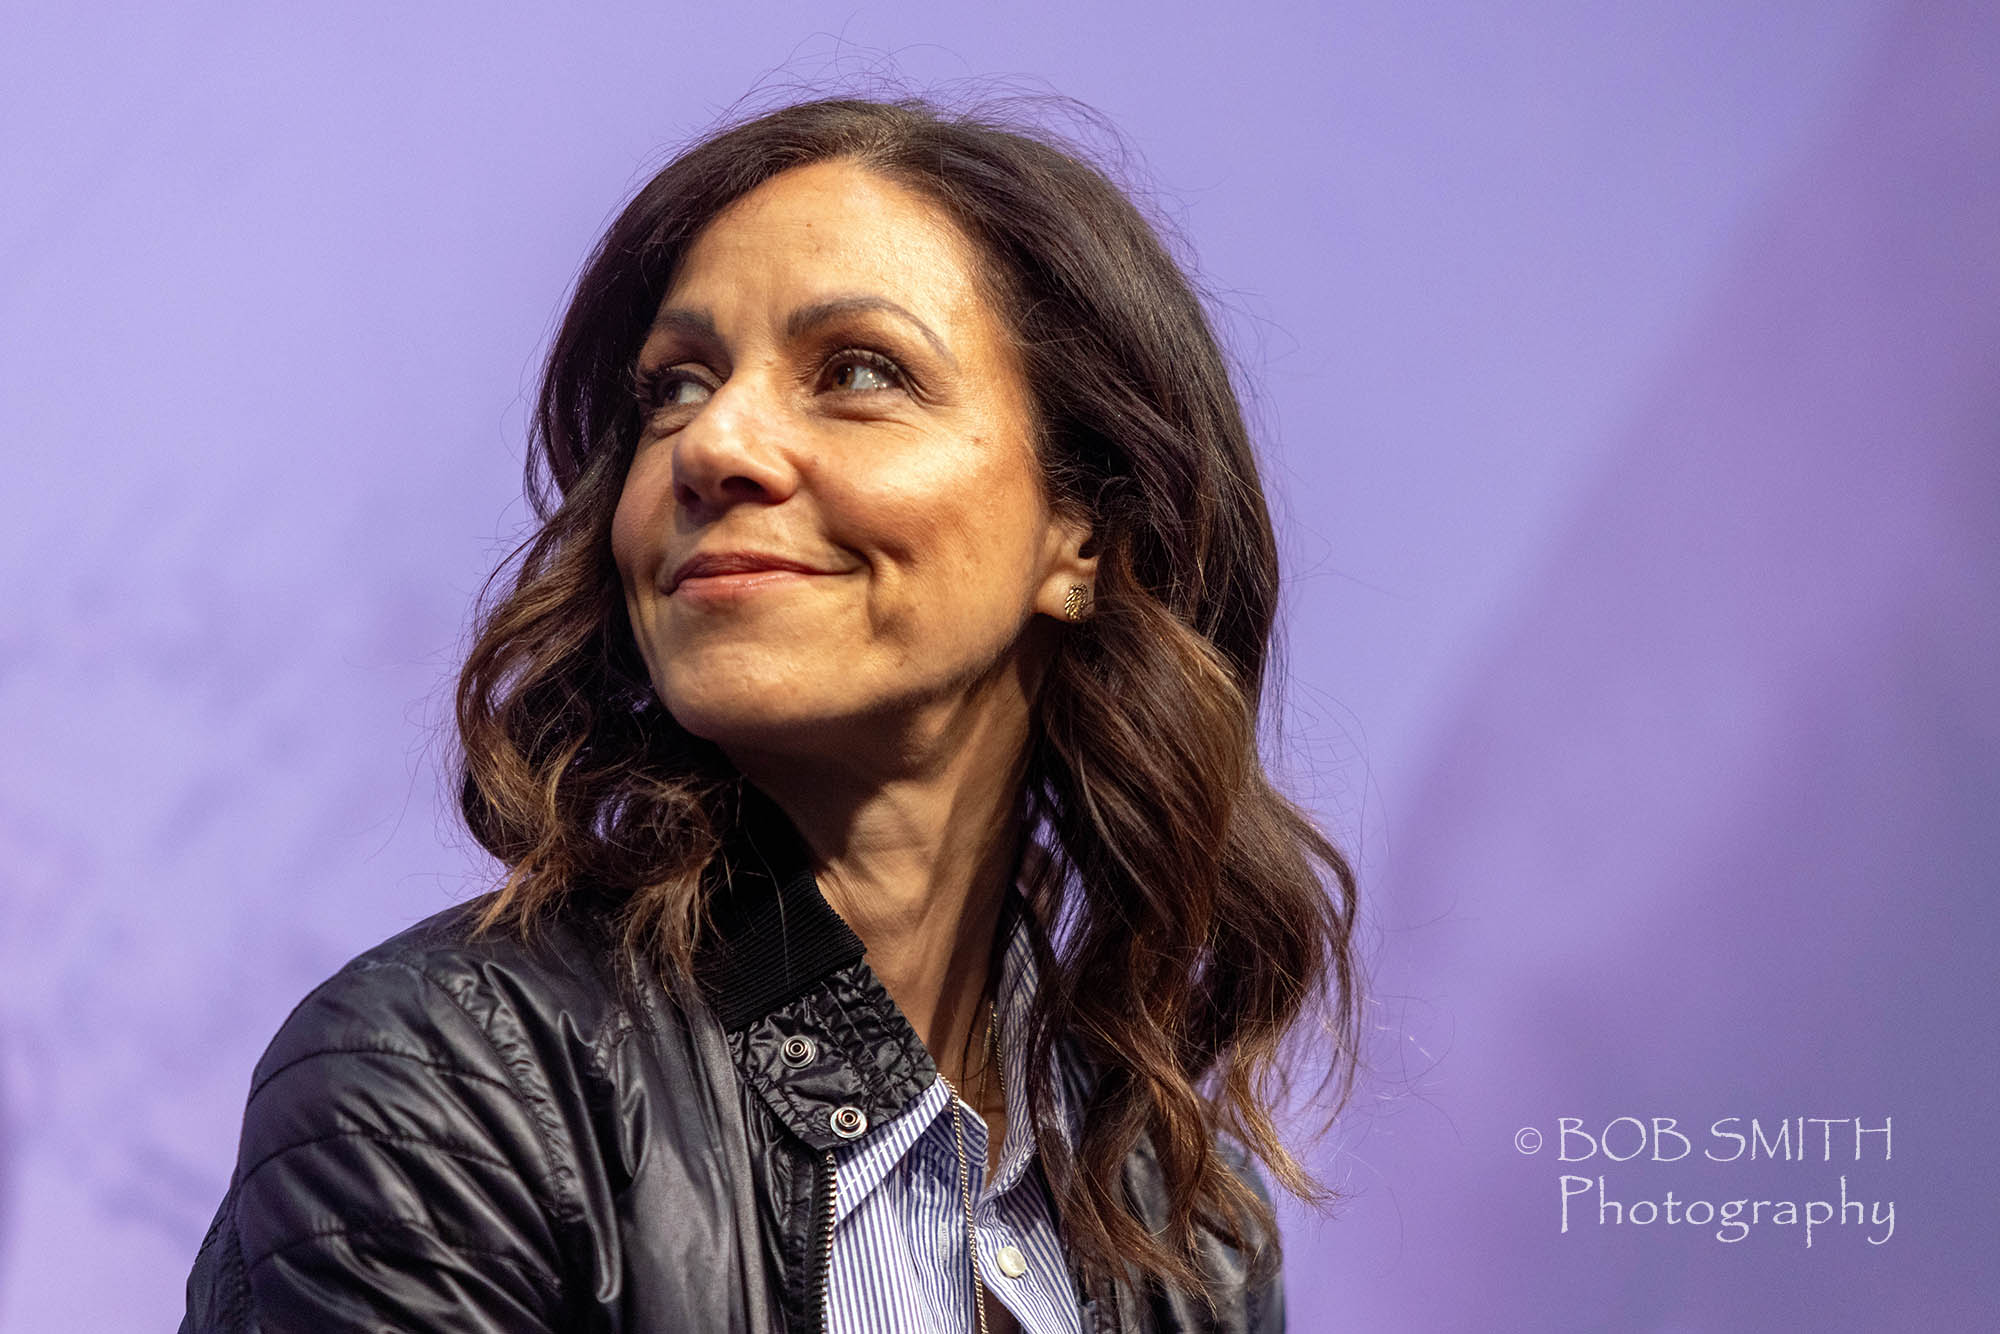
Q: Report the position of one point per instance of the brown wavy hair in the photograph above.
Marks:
(1192, 916)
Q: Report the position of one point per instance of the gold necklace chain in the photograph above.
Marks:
(964, 1175)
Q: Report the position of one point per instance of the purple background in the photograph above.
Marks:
(1630, 378)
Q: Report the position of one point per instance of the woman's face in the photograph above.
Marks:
(834, 515)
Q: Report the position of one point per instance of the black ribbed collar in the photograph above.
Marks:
(773, 936)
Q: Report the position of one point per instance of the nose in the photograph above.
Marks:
(731, 451)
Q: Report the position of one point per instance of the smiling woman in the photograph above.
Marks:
(837, 469)
(898, 931)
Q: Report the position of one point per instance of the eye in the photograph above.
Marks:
(671, 395)
(669, 387)
(857, 370)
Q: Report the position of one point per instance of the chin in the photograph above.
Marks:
(731, 710)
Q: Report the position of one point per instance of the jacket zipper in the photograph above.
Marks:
(830, 1176)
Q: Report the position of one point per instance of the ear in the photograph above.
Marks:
(1070, 563)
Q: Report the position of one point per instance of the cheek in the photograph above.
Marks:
(634, 526)
(624, 530)
(961, 528)
(998, 512)
(911, 513)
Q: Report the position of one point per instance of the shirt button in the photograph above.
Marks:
(1012, 1263)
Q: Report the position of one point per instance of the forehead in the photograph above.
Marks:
(834, 228)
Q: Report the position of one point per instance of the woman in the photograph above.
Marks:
(899, 929)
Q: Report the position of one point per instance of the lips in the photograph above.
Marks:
(707, 563)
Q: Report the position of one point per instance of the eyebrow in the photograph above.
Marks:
(697, 323)
(806, 317)
(701, 324)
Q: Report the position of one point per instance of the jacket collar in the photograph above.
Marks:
(778, 963)
(773, 936)
(811, 1028)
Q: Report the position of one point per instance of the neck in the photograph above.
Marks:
(917, 862)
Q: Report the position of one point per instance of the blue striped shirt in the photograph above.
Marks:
(899, 1261)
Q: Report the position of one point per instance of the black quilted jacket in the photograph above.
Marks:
(459, 1134)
